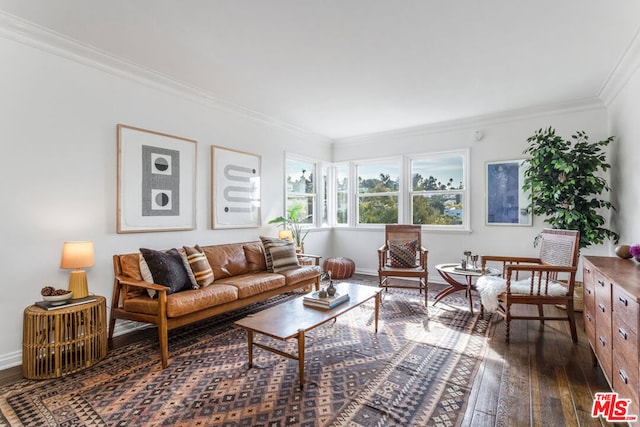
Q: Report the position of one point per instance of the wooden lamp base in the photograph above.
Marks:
(78, 284)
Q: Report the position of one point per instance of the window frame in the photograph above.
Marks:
(355, 206)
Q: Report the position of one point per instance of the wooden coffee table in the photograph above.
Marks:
(292, 319)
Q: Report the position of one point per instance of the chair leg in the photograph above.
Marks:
(541, 313)
(507, 323)
(572, 322)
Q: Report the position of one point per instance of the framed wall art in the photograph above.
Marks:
(156, 181)
(506, 202)
(235, 183)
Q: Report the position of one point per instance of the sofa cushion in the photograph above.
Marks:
(303, 275)
(167, 269)
(185, 302)
(403, 254)
(280, 254)
(255, 257)
(226, 259)
(201, 272)
(254, 283)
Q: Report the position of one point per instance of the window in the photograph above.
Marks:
(301, 189)
(342, 194)
(378, 192)
(438, 191)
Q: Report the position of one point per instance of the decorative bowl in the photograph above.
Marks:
(58, 299)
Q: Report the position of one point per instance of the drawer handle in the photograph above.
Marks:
(602, 341)
(623, 376)
(588, 269)
(623, 300)
(589, 291)
(602, 307)
(601, 282)
(588, 317)
(622, 333)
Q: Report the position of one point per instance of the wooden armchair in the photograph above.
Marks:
(402, 255)
(548, 279)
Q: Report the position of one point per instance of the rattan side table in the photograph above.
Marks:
(65, 340)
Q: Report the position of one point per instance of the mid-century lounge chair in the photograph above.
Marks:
(402, 255)
(546, 280)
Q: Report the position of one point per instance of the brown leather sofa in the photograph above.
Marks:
(240, 278)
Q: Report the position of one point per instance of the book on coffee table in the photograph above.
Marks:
(47, 305)
(314, 300)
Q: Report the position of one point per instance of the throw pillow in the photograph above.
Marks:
(279, 254)
(146, 275)
(167, 269)
(403, 254)
(202, 274)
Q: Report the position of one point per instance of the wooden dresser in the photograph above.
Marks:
(611, 301)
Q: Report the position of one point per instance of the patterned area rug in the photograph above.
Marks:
(416, 371)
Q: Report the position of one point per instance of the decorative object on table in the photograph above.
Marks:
(235, 183)
(317, 300)
(331, 290)
(634, 250)
(78, 255)
(293, 222)
(340, 267)
(623, 251)
(55, 296)
(506, 200)
(566, 182)
(70, 302)
(156, 181)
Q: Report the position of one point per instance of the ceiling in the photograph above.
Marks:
(340, 68)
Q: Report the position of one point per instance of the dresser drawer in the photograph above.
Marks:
(602, 299)
(625, 308)
(625, 342)
(589, 325)
(589, 285)
(603, 349)
(625, 382)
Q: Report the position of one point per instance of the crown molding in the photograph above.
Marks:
(42, 38)
(479, 121)
(624, 70)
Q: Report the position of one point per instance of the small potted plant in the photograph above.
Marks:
(293, 222)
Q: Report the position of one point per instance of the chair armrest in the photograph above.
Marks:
(316, 258)
(129, 281)
(509, 259)
(543, 268)
(383, 248)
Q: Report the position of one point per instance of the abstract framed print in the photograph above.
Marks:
(156, 181)
(506, 202)
(235, 184)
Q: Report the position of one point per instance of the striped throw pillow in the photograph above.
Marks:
(202, 274)
(279, 254)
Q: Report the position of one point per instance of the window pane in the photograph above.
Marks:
(378, 210)
(378, 177)
(438, 173)
(342, 194)
(438, 209)
(305, 215)
(299, 176)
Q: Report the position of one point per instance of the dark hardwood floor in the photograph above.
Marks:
(540, 379)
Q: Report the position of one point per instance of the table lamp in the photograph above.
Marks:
(78, 255)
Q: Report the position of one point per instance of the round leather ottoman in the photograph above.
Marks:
(340, 267)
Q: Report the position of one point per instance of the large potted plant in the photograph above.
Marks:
(293, 221)
(566, 181)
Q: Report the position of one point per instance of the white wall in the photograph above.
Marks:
(624, 111)
(505, 138)
(58, 181)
